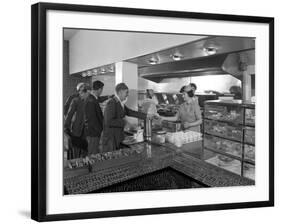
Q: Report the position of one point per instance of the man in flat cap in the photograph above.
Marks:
(74, 120)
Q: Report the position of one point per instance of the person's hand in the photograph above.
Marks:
(152, 116)
(156, 117)
(149, 116)
(186, 125)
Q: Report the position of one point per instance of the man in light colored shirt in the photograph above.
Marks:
(114, 122)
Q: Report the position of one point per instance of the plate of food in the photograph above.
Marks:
(129, 140)
(225, 159)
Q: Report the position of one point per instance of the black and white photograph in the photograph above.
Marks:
(139, 112)
(157, 111)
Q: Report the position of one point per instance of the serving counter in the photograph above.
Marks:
(149, 157)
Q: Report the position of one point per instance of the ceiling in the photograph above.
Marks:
(195, 58)
(89, 49)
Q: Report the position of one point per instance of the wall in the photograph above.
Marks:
(69, 82)
(109, 83)
(89, 49)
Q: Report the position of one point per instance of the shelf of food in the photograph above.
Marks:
(223, 113)
(248, 161)
(223, 130)
(223, 153)
(231, 122)
(249, 171)
(249, 154)
(224, 121)
(223, 142)
(223, 145)
(250, 117)
(225, 162)
(232, 165)
(249, 136)
(220, 136)
(229, 136)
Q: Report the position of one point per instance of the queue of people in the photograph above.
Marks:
(89, 130)
(92, 131)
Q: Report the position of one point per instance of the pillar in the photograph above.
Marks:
(246, 79)
(128, 73)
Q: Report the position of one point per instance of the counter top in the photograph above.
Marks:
(152, 158)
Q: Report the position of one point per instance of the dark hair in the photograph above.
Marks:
(236, 90)
(193, 85)
(182, 89)
(97, 85)
(148, 93)
(121, 86)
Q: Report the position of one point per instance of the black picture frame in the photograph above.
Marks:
(39, 122)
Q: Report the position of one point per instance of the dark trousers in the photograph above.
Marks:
(93, 145)
(79, 146)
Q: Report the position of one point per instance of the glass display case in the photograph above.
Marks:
(229, 136)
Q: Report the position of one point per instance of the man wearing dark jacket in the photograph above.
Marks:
(74, 120)
(114, 114)
(68, 101)
(94, 118)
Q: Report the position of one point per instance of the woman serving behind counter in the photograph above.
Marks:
(189, 112)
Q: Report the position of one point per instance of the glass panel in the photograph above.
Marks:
(249, 152)
(223, 162)
(250, 116)
(224, 113)
(223, 130)
(230, 147)
(249, 171)
(249, 135)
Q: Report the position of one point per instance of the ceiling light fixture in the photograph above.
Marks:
(210, 47)
(84, 74)
(95, 71)
(153, 61)
(210, 50)
(102, 71)
(177, 56)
